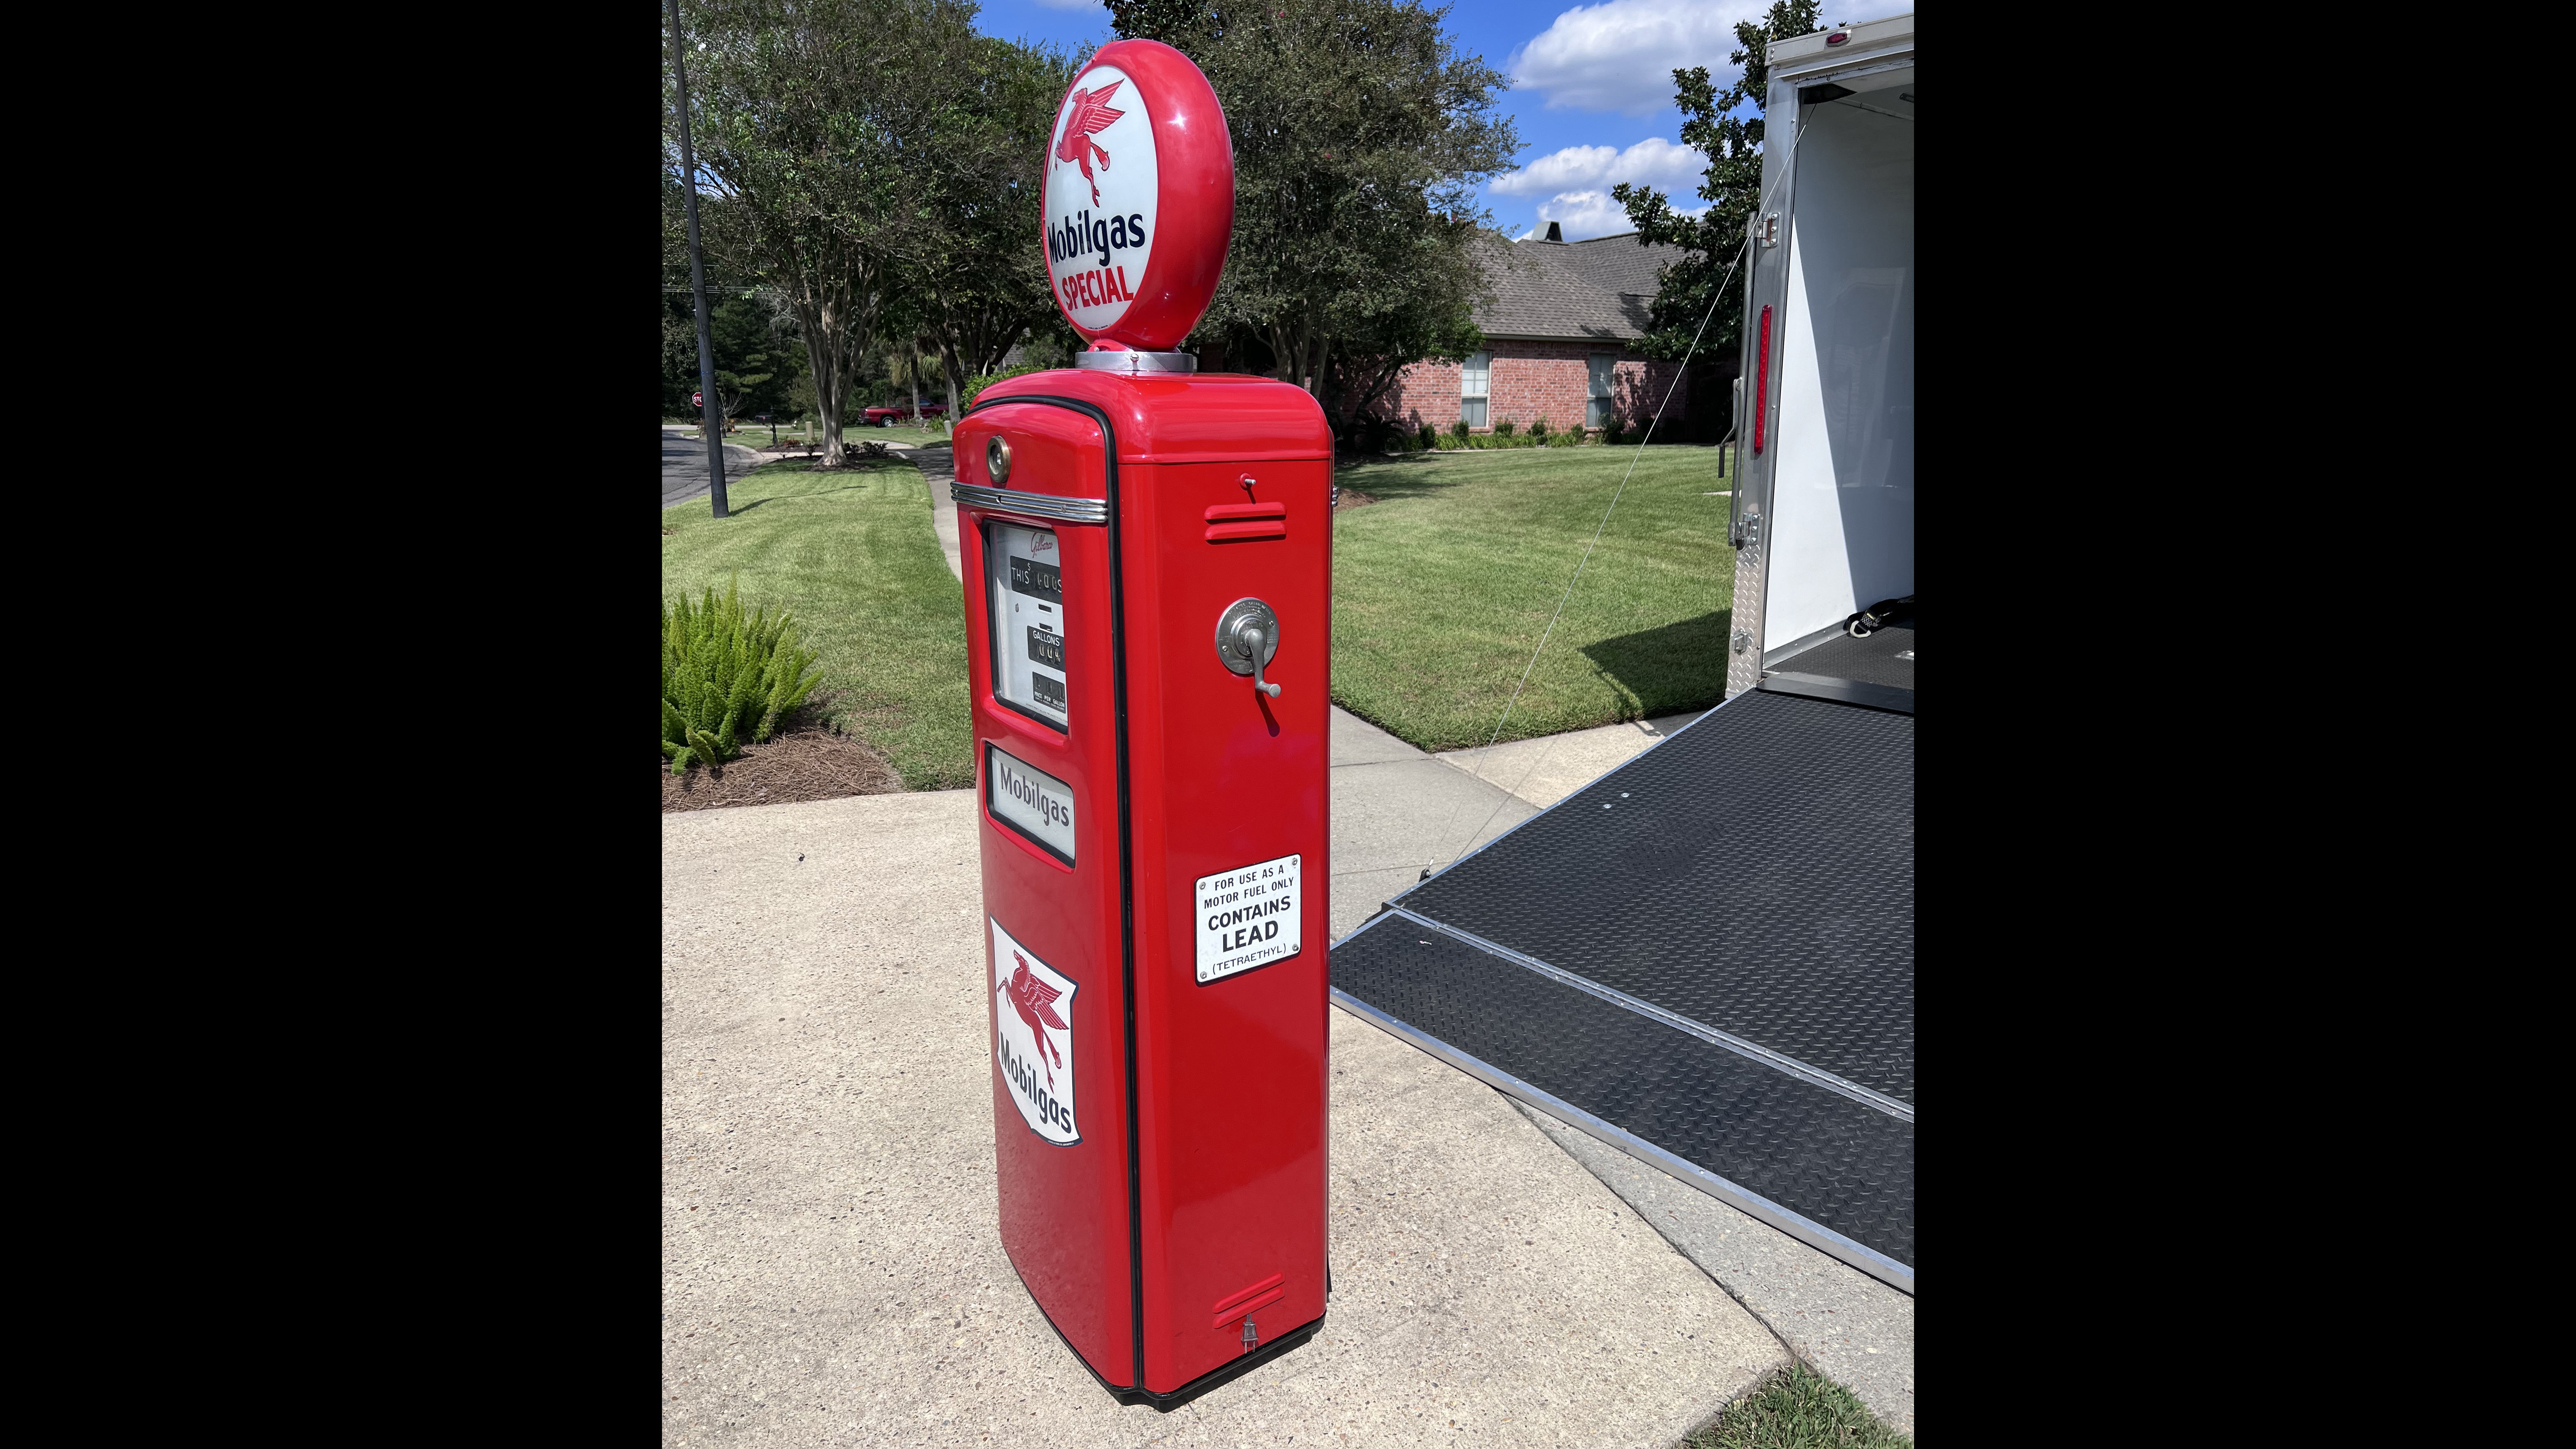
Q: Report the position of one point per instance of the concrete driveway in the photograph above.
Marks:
(832, 1265)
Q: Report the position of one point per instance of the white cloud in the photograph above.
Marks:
(1583, 215)
(1621, 55)
(1665, 165)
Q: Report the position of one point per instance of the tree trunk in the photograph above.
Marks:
(839, 323)
(914, 372)
(827, 386)
(948, 364)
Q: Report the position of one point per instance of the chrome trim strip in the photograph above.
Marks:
(1036, 505)
(1106, 360)
(1815, 1235)
(1778, 1061)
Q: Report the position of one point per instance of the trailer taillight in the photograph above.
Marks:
(1761, 381)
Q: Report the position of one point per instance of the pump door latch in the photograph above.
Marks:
(1247, 639)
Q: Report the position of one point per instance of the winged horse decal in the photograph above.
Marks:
(1034, 1000)
(1088, 115)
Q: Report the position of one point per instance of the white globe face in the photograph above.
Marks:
(1101, 185)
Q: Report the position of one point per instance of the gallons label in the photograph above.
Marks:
(1029, 625)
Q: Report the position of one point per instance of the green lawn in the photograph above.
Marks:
(853, 554)
(1442, 588)
(1798, 1410)
(756, 435)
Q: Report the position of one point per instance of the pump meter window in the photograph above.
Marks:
(1025, 573)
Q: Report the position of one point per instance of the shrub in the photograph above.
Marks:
(1428, 437)
(724, 677)
(1538, 430)
(1458, 430)
(1372, 435)
(1505, 428)
(1565, 439)
(983, 380)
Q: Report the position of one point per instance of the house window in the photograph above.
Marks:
(1475, 384)
(1596, 409)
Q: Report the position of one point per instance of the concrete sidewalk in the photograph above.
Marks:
(1547, 769)
(1398, 812)
(832, 1267)
(937, 462)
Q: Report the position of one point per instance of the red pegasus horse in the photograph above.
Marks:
(1089, 113)
(1034, 1000)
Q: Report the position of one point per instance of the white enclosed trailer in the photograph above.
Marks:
(1706, 957)
(1823, 512)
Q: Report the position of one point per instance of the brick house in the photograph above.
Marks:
(1561, 331)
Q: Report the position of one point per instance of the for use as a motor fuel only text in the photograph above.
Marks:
(1249, 917)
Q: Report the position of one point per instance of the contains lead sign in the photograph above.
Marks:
(1248, 917)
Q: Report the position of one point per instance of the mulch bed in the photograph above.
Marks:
(807, 763)
(1353, 498)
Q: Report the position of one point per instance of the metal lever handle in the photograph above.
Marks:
(1253, 638)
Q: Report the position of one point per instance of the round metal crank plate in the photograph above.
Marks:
(1233, 648)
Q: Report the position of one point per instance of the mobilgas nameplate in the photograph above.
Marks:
(1033, 1037)
(1033, 802)
(1248, 917)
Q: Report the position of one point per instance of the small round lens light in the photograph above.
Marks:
(997, 461)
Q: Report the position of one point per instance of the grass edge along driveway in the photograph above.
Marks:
(1444, 585)
(852, 552)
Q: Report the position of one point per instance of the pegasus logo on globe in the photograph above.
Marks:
(1087, 114)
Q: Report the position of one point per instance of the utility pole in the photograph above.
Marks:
(709, 423)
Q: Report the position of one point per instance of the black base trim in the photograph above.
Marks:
(1233, 1369)
(1841, 691)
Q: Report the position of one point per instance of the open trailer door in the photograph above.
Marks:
(1706, 956)
(1823, 515)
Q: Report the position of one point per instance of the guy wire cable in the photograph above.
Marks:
(1716, 295)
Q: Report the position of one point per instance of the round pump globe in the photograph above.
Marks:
(1138, 202)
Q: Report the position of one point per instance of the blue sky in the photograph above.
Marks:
(1592, 91)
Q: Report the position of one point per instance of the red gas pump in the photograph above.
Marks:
(1148, 554)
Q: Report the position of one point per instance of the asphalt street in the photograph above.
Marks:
(684, 465)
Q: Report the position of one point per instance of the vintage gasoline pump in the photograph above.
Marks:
(1148, 562)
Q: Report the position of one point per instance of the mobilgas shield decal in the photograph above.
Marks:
(1033, 1037)
(1102, 188)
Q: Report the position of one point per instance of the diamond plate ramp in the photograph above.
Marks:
(1815, 1163)
(1755, 873)
(1705, 957)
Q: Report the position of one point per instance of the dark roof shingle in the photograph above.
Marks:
(1591, 291)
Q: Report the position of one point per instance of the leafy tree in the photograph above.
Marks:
(755, 368)
(810, 115)
(980, 280)
(1731, 186)
(1360, 136)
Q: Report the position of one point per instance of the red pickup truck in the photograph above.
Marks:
(887, 415)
